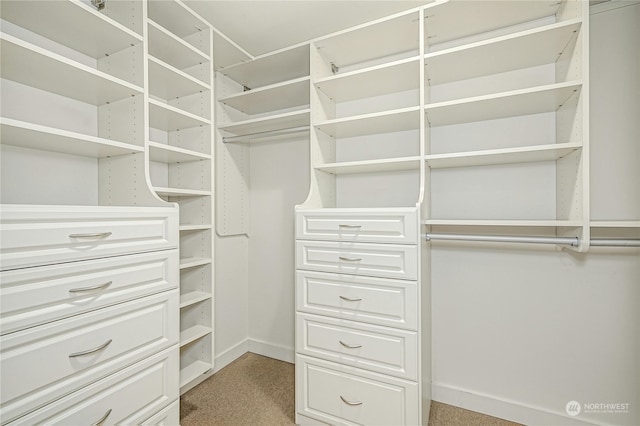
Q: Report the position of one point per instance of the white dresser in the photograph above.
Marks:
(357, 316)
(89, 315)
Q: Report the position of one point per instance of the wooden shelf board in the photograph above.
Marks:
(506, 222)
(501, 105)
(551, 152)
(195, 227)
(167, 47)
(194, 333)
(36, 67)
(168, 82)
(72, 24)
(163, 153)
(193, 297)
(397, 76)
(270, 123)
(193, 371)
(177, 192)
(615, 223)
(192, 262)
(375, 123)
(34, 136)
(288, 94)
(283, 65)
(372, 166)
(168, 118)
(514, 51)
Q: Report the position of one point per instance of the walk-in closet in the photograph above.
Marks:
(348, 212)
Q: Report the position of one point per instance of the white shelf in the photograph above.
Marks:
(510, 52)
(615, 224)
(193, 297)
(177, 192)
(193, 371)
(168, 82)
(267, 124)
(446, 21)
(35, 136)
(374, 123)
(397, 76)
(192, 262)
(195, 227)
(501, 105)
(194, 333)
(283, 65)
(175, 18)
(528, 154)
(227, 52)
(384, 37)
(166, 46)
(73, 24)
(36, 67)
(170, 154)
(372, 166)
(514, 223)
(169, 118)
(288, 94)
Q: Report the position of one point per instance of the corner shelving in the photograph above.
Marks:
(371, 166)
(374, 123)
(278, 96)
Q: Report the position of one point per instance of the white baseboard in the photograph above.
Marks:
(231, 354)
(502, 408)
(279, 352)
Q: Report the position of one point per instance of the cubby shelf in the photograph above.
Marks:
(227, 52)
(168, 118)
(270, 123)
(192, 262)
(194, 333)
(374, 123)
(396, 76)
(506, 222)
(34, 136)
(371, 166)
(175, 18)
(167, 47)
(36, 67)
(524, 49)
(168, 82)
(178, 192)
(163, 153)
(287, 94)
(534, 100)
(193, 297)
(193, 371)
(195, 227)
(85, 30)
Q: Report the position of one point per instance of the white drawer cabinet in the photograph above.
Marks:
(128, 397)
(381, 301)
(381, 349)
(376, 260)
(341, 395)
(397, 226)
(41, 235)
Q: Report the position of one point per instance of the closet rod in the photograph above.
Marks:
(571, 241)
(614, 242)
(266, 134)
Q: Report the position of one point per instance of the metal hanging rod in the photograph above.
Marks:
(614, 242)
(569, 241)
(267, 134)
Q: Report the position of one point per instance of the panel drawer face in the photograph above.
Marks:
(376, 260)
(33, 296)
(129, 396)
(380, 301)
(379, 226)
(41, 363)
(42, 235)
(372, 347)
(342, 395)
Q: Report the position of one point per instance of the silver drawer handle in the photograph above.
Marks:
(350, 259)
(99, 422)
(346, 345)
(346, 401)
(92, 235)
(90, 351)
(343, 225)
(95, 287)
(349, 299)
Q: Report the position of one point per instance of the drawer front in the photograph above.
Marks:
(342, 395)
(399, 226)
(169, 416)
(126, 397)
(372, 347)
(376, 260)
(381, 301)
(42, 235)
(42, 363)
(33, 296)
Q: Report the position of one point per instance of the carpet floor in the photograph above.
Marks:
(258, 391)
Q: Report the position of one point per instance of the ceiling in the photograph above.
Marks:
(264, 26)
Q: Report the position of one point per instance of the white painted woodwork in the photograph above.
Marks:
(277, 96)
(269, 123)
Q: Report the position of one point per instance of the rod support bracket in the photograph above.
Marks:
(99, 4)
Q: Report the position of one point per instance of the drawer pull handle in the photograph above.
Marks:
(349, 226)
(346, 401)
(349, 299)
(346, 345)
(90, 351)
(350, 259)
(93, 288)
(92, 235)
(99, 422)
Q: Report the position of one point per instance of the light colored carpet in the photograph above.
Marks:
(258, 391)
